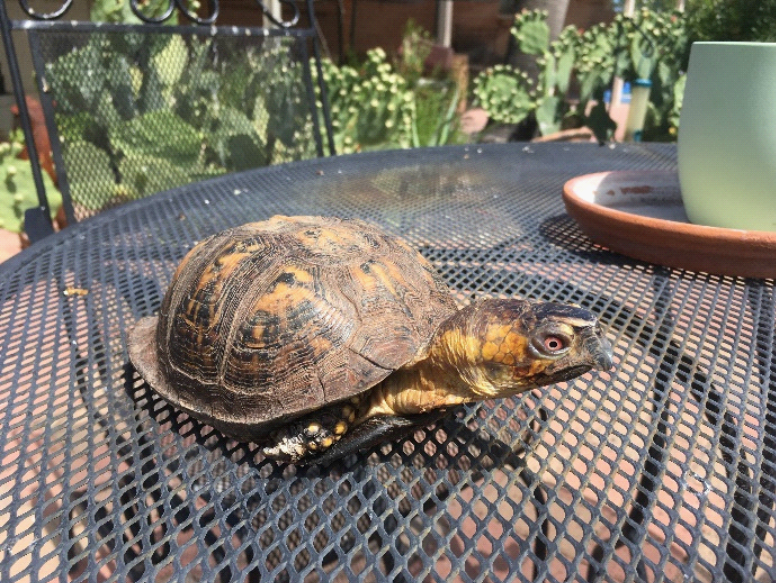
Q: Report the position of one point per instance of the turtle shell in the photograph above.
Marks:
(274, 319)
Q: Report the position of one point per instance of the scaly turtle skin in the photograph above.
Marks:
(319, 336)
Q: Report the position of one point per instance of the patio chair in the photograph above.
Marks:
(134, 109)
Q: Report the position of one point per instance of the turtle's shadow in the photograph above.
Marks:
(363, 487)
(157, 416)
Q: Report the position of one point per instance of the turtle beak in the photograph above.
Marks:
(600, 351)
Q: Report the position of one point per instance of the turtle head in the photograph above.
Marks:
(504, 347)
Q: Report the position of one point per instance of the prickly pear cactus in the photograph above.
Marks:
(651, 45)
(17, 188)
(509, 95)
(370, 105)
(505, 93)
(532, 32)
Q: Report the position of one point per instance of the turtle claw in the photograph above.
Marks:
(286, 449)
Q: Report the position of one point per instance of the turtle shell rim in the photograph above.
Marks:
(144, 356)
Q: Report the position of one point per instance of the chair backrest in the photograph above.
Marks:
(133, 109)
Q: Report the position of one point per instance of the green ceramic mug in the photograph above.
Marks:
(727, 136)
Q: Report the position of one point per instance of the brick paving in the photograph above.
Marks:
(10, 244)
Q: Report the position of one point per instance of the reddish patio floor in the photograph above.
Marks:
(10, 244)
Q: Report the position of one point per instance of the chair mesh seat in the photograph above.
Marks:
(160, 100)
(137, 113)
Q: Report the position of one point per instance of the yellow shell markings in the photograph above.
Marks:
(277, 317)
(301, 314)
(200, 308)
(383, 287)
(210, 285)
(193, 253)
(284, 295)
(391, 306)
(268, 318)
(200, 315)
(374, 275)
(331, 242)
(292, 333)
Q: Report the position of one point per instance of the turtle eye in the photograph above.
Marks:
(554, 344)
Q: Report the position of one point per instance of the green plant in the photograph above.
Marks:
(509, 95)
(119, 11)
(435, 97)
(658, 50)
(434, 121)
(416, 45)
(18, 193)
(375, 107)
(578, 67)
(556, 61)
(369, 104)
(138, 114)
(531, 31)
(506, 93)
(731, 20)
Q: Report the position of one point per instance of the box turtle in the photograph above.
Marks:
(317, 337)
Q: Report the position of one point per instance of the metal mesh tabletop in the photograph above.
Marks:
(663, 469)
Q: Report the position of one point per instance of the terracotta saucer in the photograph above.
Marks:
(640, 214)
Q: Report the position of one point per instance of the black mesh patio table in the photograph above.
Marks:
(663, 469)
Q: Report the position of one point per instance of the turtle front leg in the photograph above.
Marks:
(375, 431)
(312, 434)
